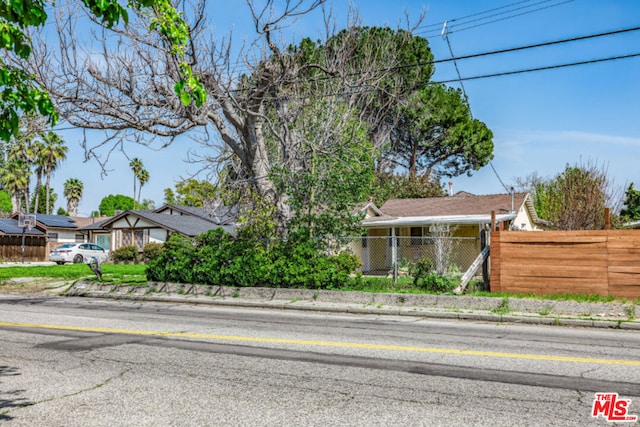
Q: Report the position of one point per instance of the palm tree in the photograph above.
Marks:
(15, 180)
(40, 164)
(139, 175)
(136, 166)
(73, 192)
(143, 178)
(54, 152)
(20, 152)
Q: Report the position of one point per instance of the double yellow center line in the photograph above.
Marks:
(238, 338)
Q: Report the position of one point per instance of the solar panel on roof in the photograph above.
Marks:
(10, 226)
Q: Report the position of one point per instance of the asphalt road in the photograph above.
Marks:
(85, 362)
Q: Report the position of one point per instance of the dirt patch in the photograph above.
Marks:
(34, 286)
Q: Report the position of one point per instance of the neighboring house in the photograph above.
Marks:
(60, 229)
(140, 227)
(418, 226)
(12, 237)
(91, 227)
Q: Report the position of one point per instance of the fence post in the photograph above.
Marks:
(607, 219)
(394, 254)
(485, 263)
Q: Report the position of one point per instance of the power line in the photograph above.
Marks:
(473, 15)
(548, 67)
(536, 45)
(508, 17)
(513, 15)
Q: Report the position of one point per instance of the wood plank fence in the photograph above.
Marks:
(598, 262)
(35, 248)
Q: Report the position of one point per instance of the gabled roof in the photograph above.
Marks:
(10, 227)
(461, 208)
(52, 221)
(219, 214)
(83, 222)
(187, 225)
(459, 204)
(98, 225)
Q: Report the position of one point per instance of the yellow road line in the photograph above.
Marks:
(329, 344)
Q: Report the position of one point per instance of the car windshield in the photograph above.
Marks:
(67, 246)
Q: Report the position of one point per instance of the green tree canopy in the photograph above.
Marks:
(631, 210)
(42, 200)
(191, 192)
(435, 135)
(5, 203)
(117, 202)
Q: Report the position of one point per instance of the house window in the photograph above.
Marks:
(79, 238)
(138, 239)
(416, 236)
(53, 237)
(133, 238)
(126, 238)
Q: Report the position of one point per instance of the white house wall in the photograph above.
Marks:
(523, 220)
(134, 222)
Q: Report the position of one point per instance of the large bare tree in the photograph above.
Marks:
(261, 99)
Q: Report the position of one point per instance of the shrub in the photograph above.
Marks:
(175, 263)
(152, 251)
(425, 277)
(217, 258)
(125, 254)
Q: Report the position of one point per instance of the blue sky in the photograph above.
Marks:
(541, 121)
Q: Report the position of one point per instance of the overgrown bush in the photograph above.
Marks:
(175, 263)
(426, 277)
(217, 258)
(151, 251)
(125, 254)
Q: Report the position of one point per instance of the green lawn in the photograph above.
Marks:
(121, 273)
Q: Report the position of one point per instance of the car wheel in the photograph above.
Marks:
(59, 262)
(78, 259)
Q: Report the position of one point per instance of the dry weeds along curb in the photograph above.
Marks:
(502, 310)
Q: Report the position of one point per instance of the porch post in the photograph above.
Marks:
(394, 254)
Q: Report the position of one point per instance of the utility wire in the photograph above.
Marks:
(455, 28)
(548, 67)
(439, 25)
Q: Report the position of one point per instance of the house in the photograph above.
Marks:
(419, 226)
(140, 227)
(92, 229)
(12, 237)
(59, 229)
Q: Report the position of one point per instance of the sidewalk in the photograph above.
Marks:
(489, 309)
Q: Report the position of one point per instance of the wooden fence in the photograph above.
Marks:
(604, 262)
(35, 248)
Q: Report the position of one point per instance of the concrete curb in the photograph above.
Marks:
(485, 309)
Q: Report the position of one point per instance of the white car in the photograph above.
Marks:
(77, 253)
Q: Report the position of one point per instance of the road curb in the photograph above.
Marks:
(421, 306)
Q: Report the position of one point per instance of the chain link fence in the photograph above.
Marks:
(380, 255)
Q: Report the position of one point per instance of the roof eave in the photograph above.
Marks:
(449, 219)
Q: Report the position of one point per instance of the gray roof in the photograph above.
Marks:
(96, 225)
(187, 225)
(219, 214)
(10, 226)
